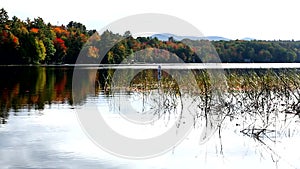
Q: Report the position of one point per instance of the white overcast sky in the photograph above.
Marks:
(234, 19)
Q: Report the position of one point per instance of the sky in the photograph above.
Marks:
(233, 19)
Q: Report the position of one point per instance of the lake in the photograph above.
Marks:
(253, 124)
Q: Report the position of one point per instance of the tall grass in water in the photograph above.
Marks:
(260, 102)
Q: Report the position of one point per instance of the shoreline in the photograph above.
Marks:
(181, 66)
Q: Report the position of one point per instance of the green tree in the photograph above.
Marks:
(3, 17)
(50, 49)
(127, 34)
(77, 27)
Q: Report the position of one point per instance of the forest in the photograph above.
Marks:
(37, 42)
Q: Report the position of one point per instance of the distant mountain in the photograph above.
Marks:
(248, 39)
(166, 36)
(216, 38)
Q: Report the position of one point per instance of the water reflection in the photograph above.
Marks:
(261, 107)
(33, 87)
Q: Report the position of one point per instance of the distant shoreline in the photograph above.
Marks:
(174, 66)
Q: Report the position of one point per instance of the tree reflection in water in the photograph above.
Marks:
(30, 88)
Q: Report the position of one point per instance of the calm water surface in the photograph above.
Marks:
(39, 129)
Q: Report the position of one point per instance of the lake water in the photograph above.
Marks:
(40, 127)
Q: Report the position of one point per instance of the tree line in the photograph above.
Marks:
(233, 51)
(258, 51)
(35, 42)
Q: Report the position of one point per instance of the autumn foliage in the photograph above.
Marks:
(60, 44)
(35, 42)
